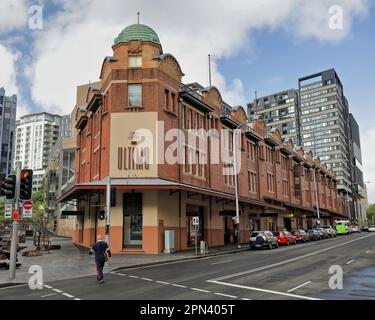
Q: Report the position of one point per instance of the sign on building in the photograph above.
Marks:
(195, 221)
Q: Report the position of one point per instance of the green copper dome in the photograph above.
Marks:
(138, 32)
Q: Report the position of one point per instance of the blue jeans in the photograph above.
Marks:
(99, 270)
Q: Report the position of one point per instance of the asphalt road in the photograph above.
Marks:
(298, 272)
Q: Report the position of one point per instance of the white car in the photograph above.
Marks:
(332, 232)
(371, 229)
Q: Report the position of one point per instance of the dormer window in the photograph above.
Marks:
(135, 61)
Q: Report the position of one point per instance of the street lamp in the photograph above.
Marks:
(236, 180)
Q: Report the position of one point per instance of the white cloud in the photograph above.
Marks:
(13, 15)
(368, 150)
(8, 73)
(71, 48)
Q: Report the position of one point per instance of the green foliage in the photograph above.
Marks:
(371, 212)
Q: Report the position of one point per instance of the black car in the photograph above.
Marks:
(263, 239)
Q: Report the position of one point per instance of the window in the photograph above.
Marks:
(251, 151)
(252, 182)
(135, 61)
(284, 163)
(135, 95)
(285, 185)
(270, 182)
(166, 97)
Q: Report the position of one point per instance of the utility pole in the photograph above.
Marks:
(13, 247)
(108, 209)
(316, 196)
(209, 70)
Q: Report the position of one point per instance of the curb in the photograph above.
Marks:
(11, 284)
(178, 260)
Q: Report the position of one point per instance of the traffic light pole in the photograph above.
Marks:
(13, 247)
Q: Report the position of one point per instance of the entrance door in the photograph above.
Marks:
(133, 220)
(194, 235)
(288, 224)
(228, 230)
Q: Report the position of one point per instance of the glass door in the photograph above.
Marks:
(133, 220)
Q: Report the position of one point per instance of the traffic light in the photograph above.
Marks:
(26, 184)
(8, 187)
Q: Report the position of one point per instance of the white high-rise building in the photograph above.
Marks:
(36, 135)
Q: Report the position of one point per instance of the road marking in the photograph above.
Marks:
(178, 285)
(77, 299)
(225, 295)
(287, 261)
(200, 290)
(245, 299)
(134, 277)
(368, 251)
(48, 295)
(263, 290)
(57, 290)
(68, 295)
(163, 282)
(48, 287)
(350, 261)
(302, 285)
(226, 261)
(147, 279)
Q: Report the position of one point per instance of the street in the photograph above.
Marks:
(299, 272)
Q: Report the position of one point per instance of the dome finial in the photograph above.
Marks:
(138, 14)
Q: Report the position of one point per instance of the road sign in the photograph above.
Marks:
(8, 211)
(16, 215)
(27, 213)
(195, 221)
(27, 205)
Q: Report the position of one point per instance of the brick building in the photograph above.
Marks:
(141, 88)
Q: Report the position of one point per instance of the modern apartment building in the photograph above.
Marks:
(279, 110)
(8, 110)
(325, 123)
(141, 97)
(36, 135)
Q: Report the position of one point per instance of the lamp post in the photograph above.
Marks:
(235, 173)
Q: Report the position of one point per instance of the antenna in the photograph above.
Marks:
(138, 14)
(209, 70)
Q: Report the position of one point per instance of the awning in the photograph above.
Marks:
(79, 190)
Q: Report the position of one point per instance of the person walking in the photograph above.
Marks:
(102, 254)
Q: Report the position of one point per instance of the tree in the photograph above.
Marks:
(371, 213)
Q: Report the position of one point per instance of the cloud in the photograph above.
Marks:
(13, 15)
(77, 38)
(368, 149)
(8, 71)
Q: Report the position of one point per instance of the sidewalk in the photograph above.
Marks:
(72, 261)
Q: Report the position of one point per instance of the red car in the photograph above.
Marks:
(285, 238)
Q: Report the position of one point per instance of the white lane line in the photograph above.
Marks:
(287, 261)
(77, 299)
(134, 277)
(263, 290)
(245, 299)
(177, 285)
(368, 251)
(147, 279)
(49, 295)
(350, 261)
(225, 295)
(302, 285)
(68, 295)
(163, 282)
(221, 262)
(57, 290)
(200, 290)
(48, 287)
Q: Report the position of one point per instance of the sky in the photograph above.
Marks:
(262, 45)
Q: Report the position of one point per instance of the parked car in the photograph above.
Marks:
(326, 234)
(314, 235)
(263, 239)
(285, 238)
(364, 229)
(301, 236)
(330, 230)
(356, 229)
(371, 229)
(323, 235)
